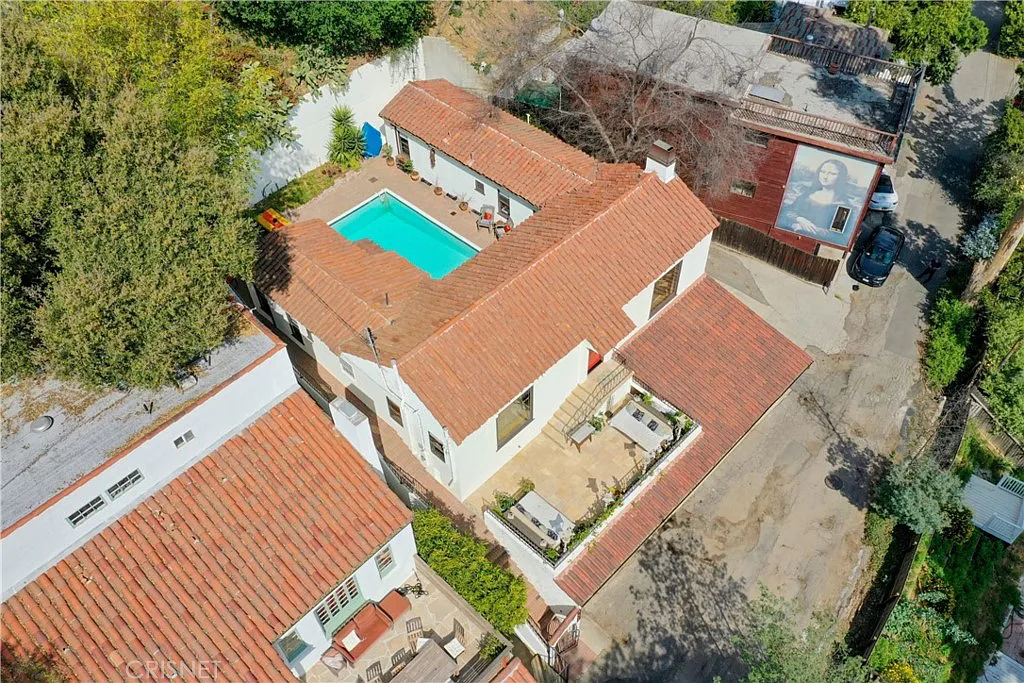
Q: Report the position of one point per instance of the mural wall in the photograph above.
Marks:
(825, 194)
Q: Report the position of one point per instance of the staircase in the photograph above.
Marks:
(585, 400)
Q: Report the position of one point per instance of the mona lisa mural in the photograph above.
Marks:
(825, 194)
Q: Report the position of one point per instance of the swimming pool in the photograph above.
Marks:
(395, 226)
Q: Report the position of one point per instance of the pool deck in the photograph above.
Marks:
(375, 175)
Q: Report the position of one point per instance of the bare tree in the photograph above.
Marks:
(639, 74)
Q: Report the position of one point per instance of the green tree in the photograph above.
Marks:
(936, 33)
(122, 214)
(347, 144)
(344, 28)
(1011, 35)
(918, 493)
(999, 187)
(722, 11)
(778, 652)
(139, 283)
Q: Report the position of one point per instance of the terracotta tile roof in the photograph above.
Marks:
(218, 563)
(573, 290)
(725, 367)
(514, 672)
(333, 286)
(529, 162)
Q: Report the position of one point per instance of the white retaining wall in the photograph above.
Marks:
(370, 87)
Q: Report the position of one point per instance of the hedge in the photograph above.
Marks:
(1011, 35)
(461, 560)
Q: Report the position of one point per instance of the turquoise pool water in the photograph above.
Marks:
(395, 226)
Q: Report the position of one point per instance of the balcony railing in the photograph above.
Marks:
(845, 62)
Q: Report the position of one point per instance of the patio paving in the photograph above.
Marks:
(438, 610)
(574, 482)
(375, 175)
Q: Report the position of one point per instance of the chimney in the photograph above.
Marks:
(661, 159)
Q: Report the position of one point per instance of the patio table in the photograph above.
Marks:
(582, 434)
(431, 663)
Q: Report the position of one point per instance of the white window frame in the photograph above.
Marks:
(184, 439)
(443, 454)
(385, 561)
(299, 654)
(82, 514)
(120, 487)
(346, 367)
(508, 201)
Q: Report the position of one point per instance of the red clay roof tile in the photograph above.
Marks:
(526, 160)
(725, 367)
(218, 563)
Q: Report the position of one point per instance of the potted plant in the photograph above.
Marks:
(438, 190)
(405, 164)
(415, 175)
(463, 205)
(388, 157)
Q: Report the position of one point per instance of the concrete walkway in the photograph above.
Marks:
(766, 514)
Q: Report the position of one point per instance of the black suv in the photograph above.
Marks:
(874, 263)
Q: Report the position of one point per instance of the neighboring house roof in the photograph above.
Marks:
(468, 343)
(997, 508)
(514, 672)
(221, 561)
(724, 367)
(526, 160)
(93, 427)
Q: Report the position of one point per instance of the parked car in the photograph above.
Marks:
(874, 263)
(884, 198)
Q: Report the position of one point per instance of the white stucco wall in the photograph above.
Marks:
(540, 574)
(372, 586)
(456, 178)
(37, 544)
(694, 262)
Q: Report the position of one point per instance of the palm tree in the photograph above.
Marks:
(347, 144)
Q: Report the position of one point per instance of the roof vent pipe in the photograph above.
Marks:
(661, 159)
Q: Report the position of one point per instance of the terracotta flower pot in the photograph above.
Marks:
(463, 206)
(415, 175)
(438, 190)
(391, 161)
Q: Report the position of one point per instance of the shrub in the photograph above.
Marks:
(960, 526)
(347, 145)
(981, 242)
(917, 493)
(899, 672)
(461, 560)
(952, 325)
(1011, 35)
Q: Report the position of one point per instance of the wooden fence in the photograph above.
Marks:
(790, 259)
(993, 432)
(894, 594)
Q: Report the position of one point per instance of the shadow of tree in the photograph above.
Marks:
(689, 608)
(947, 140)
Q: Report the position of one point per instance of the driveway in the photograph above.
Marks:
(771, 512)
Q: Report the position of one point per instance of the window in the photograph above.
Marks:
(514, 417)
(339, 605)
(184, 439)
(743, 188)
(394, 411)
(292, 646)
(665, 288)
(436, 446)
(403, 145)
(264, 304)
(504, 208)
(839, 220)
(120, 487)
(347, 367)
(756, 137)
(479, 187)
(86, 511)
(433, 158)
(385, 561)
(294, 328)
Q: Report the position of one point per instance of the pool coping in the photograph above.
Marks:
(412, 206)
